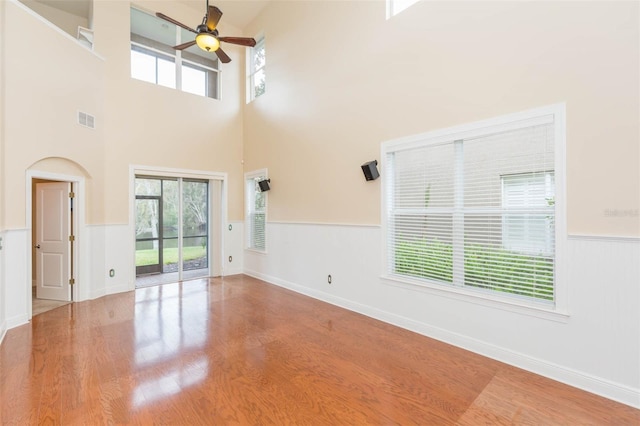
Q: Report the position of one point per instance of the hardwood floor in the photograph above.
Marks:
(240, 351)
(39, 306)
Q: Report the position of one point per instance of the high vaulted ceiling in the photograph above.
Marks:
(236, 12)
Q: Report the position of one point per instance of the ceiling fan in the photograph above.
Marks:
(207, 37)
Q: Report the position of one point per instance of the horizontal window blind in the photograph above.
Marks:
(475, 213)
(256, 214)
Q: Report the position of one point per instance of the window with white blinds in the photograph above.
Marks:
(256, 211)
(474, 208)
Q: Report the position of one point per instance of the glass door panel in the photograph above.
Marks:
(170, 212)
(195, 227)
(148, 243)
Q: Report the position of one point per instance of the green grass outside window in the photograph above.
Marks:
(484, 267)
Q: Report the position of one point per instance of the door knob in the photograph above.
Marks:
(38, 246)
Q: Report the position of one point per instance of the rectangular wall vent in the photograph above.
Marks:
(86, 120)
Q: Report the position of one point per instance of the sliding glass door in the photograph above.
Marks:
(172, 228)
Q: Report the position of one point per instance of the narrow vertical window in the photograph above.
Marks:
(256, 211)
(256, 71)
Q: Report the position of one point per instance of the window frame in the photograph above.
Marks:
(556, 311)
(156, 55)
(178, 60)
(250, 179)
(395, 7)
(252, 70)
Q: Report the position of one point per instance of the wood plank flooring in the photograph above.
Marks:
(238, 351)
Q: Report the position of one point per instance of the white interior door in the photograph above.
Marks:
(53, 217)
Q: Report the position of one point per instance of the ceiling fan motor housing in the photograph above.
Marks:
(202, 28)
(207, 34)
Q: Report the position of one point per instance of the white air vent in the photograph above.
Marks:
(86, 120)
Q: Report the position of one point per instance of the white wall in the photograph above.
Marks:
(233, 246)
(17, 284)
(3, 316)
(596, 348)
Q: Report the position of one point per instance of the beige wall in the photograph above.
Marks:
(156, 126)
(341, 79)
(44, 90)
(66, 21)
(136, 122)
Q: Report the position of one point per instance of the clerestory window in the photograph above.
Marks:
(154, 60)
(256, 78)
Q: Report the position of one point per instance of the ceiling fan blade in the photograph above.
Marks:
(242, 41)
(213, 17)
(224, 58)
(184, 45)
(173, 21)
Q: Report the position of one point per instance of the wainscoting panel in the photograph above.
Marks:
(3, 315)
(232, 259)
(17, 285)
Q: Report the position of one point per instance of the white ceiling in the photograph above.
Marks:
(236, 12)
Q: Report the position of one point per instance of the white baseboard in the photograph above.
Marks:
(598, 386)
(17, 321)
(120, 288)
(3, 331)
(232, 271)
(95, 294)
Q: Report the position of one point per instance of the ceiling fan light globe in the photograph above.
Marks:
(207, 42)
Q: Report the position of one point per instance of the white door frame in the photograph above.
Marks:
(78, 223)
(185, 174)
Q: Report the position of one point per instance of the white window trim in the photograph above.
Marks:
(248, 202)
(251, 70)
(557, 113)
(392, 10)
(178, 62)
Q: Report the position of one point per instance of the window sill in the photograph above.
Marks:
(478, 298)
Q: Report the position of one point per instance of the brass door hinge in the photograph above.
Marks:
(72, 281)
(72, 195)
(72, 238)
